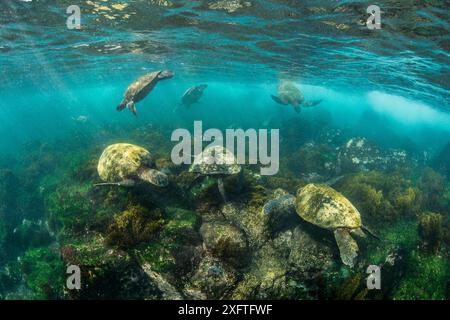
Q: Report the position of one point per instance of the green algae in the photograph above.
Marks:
(426, 278)
(161, 252)
(133, 226)
(43, 272)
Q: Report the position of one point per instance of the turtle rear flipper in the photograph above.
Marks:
(132, 107)
(278, 100)
(348, 248)
(311, 103)
(154, 177)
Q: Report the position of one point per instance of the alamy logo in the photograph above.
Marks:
(253, 152)
(374, 278)
(74, 280)
(374, 20)
(74, 20)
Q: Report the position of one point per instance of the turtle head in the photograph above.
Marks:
(166, 74)
(154, 177)
(202, 87)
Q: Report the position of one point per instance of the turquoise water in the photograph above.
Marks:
(58, 94)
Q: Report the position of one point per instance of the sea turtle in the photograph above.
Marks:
(140, 88)
(125, 164)
(216, 161)
(288, 93)
(192, 95)
(324, 207)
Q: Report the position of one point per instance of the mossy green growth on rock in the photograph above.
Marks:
(68, 207)
(352, 288)
(313, 158)
(177, 235)
(74, 208)
(431, 230)
(398, 234)
(43, 272)
(226, 242)
(268, 278)
(432, 185)
(178, 219)
(380, 197)
(426, 278)
(133, 226)
(106, 273)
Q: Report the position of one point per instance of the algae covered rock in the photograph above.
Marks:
(107, 273)
(133, 226)
(226, 242)
(43, 272)
(280, 211)
(176, 249)
(212, 279)
(431, 230)
(308, 256)
(250, 219)
(380, 196)
(269, 278)
(360, 154)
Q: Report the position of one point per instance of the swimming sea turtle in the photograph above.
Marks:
(216, 161)
(192, 95)
(125, 164)
(140, 88)
(288, 93)
(324, 207)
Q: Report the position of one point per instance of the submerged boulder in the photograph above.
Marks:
(361, 154)
(226, 242)
(308, 256)
(212, 280)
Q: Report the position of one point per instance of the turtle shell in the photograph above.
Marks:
(323, 206)
(288, 92)
(142, 86)
(121, 161)
(215, 160)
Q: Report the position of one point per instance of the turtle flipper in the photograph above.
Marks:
(277, 100)
(122, 105)
(348, 248)
(297, 108)
(221, 187)
(311, 103)
(132, 107)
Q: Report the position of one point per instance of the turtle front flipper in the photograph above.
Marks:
(221, 187)
(154, 177)
(122, 105)
(348, 248)
(278, 100)
(312, 103)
